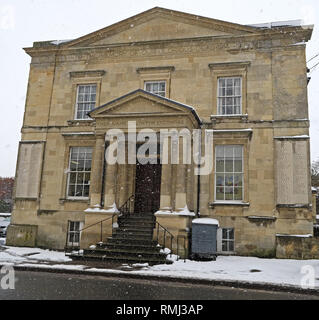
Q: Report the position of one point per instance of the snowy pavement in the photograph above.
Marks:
(283, 272)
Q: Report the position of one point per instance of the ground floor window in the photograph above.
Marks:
(229, 173)
(74, 233)
(228, 240)
(79, 172)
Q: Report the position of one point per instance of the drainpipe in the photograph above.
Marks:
(198, 176)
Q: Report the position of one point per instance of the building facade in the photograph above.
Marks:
(243, 85)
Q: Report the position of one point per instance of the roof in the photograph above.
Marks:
(174, 15)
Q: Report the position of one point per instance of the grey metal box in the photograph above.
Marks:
(204, 238)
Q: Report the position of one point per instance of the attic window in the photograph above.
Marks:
(156, 87)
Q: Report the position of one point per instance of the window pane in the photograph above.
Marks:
(219, 151)
(238, 180)
(220, 193)
(238, 193)
(229, 165)
(229, 193)
(86, 191)
(229, 82)
(220, 165)
(229, 180)
(71, 192)
(220, 180)
(229, 91)
(224, 246)
(222, 82)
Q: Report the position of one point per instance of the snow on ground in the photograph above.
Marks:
(225, 268)
(24, 254)
(234, 268)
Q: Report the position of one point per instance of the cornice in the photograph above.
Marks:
(256, 40)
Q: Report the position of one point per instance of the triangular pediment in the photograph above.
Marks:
(142, 103)
(160, 24)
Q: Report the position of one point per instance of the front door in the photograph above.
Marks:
(147, 188)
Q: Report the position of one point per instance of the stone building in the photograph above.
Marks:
(244, 85)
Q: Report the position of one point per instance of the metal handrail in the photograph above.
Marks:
(126, 208)
(94, 224)
(165, 231)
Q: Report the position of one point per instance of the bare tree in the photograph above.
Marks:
(315, 173)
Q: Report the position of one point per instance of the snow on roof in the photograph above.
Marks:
(206, 221)
(57, 42)
(295, 235)
(276, 24)
(230, 130)
(5, 214)
(293, 137)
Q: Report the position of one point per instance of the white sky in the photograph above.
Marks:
(24, 21)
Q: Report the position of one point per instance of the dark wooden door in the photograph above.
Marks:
(147, 188)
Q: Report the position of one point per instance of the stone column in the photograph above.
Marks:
(166, 178)
(180, 190)
(96, 172)
(110, 185)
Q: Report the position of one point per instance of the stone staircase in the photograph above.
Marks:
(131, 242)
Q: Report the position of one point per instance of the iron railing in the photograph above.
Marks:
(128, 207)
(159, 227)
(69, 245)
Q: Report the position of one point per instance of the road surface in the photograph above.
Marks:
(52, 286)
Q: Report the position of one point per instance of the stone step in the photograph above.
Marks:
(137, 218)
(122, 259)
(133, 236)
(120, 240)
(134, 230)
(135, 247)
(117, 252)
(133, 223)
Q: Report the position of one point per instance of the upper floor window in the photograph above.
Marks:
(229, 173)
(85, 100)
(156, 87)
(79, 172)
(229, 95)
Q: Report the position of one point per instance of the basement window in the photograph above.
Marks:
(74, 228)
(228, 239)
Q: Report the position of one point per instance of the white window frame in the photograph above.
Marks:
(228, 240)
(234, 172)
(80, 225)
(233, 96)
(77, 172)
(156, 82)
(83, 102)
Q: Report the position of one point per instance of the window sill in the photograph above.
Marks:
(215, 118)
(77, 122)
(83, 200)
(228, 203)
